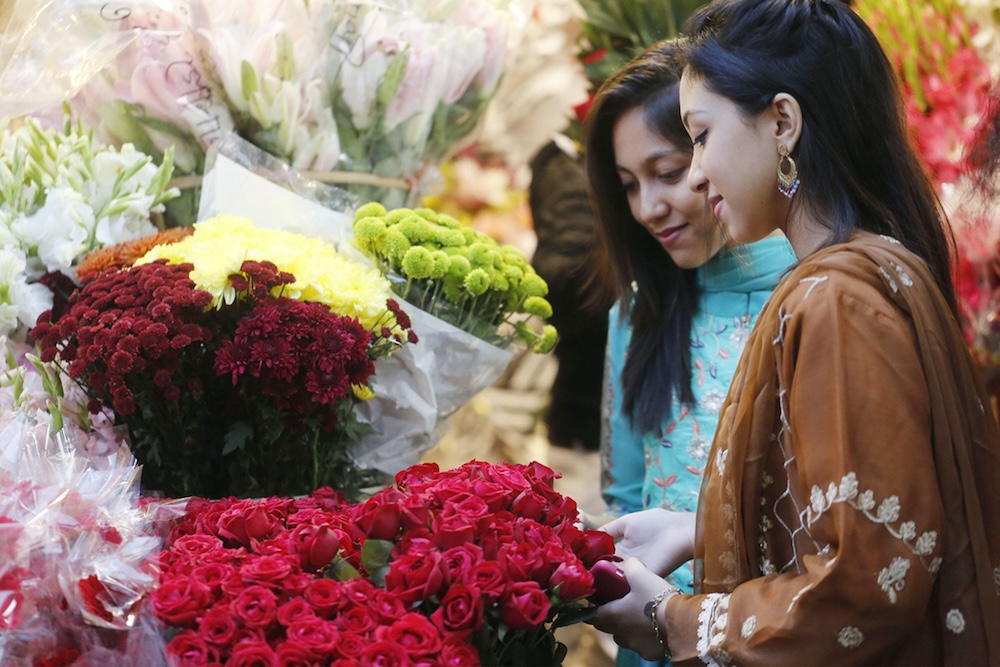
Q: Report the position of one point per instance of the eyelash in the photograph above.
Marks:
(700, 139)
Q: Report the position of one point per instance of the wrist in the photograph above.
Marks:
(658, 619)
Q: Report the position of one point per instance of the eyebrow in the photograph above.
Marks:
(670, 152)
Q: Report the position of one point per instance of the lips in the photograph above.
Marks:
(669, 236)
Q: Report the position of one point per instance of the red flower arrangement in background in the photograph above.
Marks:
(480, 563)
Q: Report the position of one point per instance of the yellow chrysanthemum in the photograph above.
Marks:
(221, 244)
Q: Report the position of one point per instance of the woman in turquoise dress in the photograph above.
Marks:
(684, 300)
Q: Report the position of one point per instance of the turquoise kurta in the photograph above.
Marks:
(663, 468)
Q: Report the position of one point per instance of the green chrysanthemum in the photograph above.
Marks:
(477, 282)
(371, 209)
(418, 263)
(536, 305)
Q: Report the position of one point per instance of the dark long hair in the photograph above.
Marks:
(658, 363)
(858, 168)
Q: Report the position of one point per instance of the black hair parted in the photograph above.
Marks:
(857, 166)
(661, 307)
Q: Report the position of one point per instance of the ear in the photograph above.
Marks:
(786, 115)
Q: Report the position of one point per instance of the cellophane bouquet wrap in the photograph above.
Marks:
(75, 539)
(379, 89)
(234, 355)
(62, 195)
(475, 305)
(477, 565)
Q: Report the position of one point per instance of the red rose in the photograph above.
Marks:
(187, 648)
(360, 620)
(316, 546)
(325, 596)
(214, 575)
(295, 654)
(296, 609)
(523, 562)
(458, 652)
(218, 627)
(296, 584)
(415, 513)
(455, 530)
(199, 548)
(247, 522)
(95, 597)
(252, 653)
(508, 477)
(414, 633)
(415, 577)
(387, 607)
(524, 605)
(593, 545)
(384, 654)
(468, 505)
(572, 581)
(496, 496)
(380, 516)
(458, 560)
(255, 607)
(530, 505)
(541, 473)
(350, 646)
(415, 475)
(488, 578)
(181, 600)
(268, 571)
(461, 610)
(320, 636)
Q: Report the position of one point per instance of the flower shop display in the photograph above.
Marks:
(476, 565)
(62, 195)
(234, 355)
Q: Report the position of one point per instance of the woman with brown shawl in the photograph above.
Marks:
(850, 511)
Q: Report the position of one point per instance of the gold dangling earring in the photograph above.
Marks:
(788, 175)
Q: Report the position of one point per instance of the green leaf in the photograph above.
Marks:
(341, 570)
(392, 79)
(573, 616)
(375, 554)
(237, 437)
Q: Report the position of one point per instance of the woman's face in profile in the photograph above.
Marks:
(734, 162)
(653, 173)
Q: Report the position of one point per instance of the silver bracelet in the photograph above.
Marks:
(651, 608)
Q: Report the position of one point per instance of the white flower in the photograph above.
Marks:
(888, 511)
(866, 500)
(892, 578)
(849, 486)
(850, 637)
(711, 401)
(955, 621)
(908, 530)
(816, 500)
(926, 543)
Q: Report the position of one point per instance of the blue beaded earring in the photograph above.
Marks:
(788, 175)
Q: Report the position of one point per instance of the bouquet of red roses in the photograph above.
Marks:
(475, 565)
(234, 355)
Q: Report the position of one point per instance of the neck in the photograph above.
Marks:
(805, 234)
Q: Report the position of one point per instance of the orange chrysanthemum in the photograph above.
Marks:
(125, 254)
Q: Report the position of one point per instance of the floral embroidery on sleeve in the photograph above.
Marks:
(850, 637)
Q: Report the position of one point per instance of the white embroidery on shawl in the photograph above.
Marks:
(712, 622)
(749, 626)
(890, 239)
(720, 461)
(815, 280)
(887, 514)
(850, 637)
(892, 283)
(798, 595)
(955, 622)
(783, 317)
(904, 277)
(892, 579)
(996, 579)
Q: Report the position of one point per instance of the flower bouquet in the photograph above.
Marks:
(62, 195)
(477, 565)
(74, 539)
(234, 355)
(469, 299)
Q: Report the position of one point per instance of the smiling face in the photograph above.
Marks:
(734, 162)
(654, 174)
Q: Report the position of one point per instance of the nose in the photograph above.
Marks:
(696, 177)
(651, 205)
